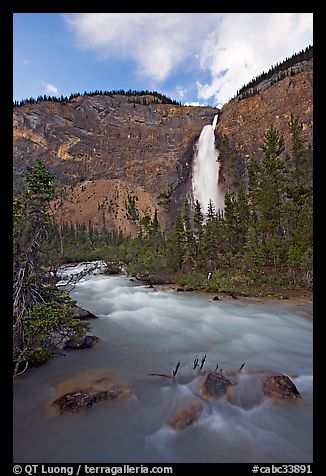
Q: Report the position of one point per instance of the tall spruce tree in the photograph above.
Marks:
(198, 221)
(267, 191)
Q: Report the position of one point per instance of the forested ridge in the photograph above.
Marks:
(276, 73)
(143, 96)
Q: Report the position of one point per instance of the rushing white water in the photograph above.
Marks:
(144, 331)
(205, 175)
(214, 121)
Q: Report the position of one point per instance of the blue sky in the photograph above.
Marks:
(200, 58)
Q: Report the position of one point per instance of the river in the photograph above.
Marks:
(144, 331)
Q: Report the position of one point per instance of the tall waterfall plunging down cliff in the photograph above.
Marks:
(206, 168)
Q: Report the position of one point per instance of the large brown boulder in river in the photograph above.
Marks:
(75, 401)
(186, 416)
(280, 387)
(215, 385)
(87, 389)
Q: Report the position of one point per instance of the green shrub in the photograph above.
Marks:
(48, 325)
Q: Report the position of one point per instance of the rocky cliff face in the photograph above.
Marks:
(108, 148)
(245, 121)
(116, 157)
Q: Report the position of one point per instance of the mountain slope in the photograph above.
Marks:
(147, 149)
(117, 154)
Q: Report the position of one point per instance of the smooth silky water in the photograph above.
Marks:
(144, 331)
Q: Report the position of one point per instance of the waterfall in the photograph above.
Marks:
(206, 168)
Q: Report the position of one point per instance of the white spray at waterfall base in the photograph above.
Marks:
(205, 177)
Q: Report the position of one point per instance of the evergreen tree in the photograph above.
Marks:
(189, 244)
(231, 228)
(33, 234)
(198, 221)
(186, 214)
(144, 227)
(298, 206)
(210, 211)
(178, 239)
(267, 188)
(155, 226)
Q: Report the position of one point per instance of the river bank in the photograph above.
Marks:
(295, 300)
(300, 299)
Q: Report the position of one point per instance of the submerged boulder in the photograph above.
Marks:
(281, 387)
(86, 343)
(80, 313)
(75, 401)
(87, 389)
(185, 417)
(215, 385)
(232, 294)
(112, 269)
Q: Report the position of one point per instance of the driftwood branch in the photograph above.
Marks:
(161, 375)
(20, 373)
(202, 362)
(174, 373)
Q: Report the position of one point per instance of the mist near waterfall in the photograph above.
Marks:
(206, 169)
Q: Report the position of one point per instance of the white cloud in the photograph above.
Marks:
(231, 48)
(156, 42)
(246, 44)
(50, 88)
(194, 103)
(181, 91)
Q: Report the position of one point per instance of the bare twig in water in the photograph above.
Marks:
(202, 362)
(244, 363)
(176, 369)
(216, 367)
(196, 362)
(20, 373)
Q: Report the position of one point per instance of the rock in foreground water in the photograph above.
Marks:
(81, 399)
(86, 343)
(215, 385)
(80, 313)
(83, 392)
(281, 387)
(186, 416)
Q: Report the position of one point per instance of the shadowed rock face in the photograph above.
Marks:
(114, 148)
(103, 137)
(280, 387)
